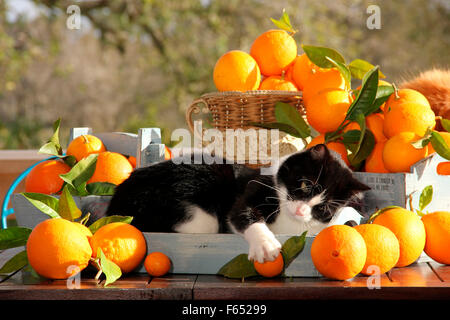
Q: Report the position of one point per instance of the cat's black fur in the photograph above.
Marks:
(158, 196)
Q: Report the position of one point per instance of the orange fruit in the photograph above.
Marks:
(121, 243)
(270, 269)
(383, 248)
(445, 136)
(410, 116)
(336, 146)
(157, 264)
(58, 249)
(277, 83)
(398, 153)
(302, 68)
(274, 51)
(406, 96)
(326, 110)
(437, 227)
(374, 123)
(84, 230)
(409, 230)
(85, 145)
(374, 162)
(44, 177)
(443, 168)
(132, 161)
(339, 252)
(321, 79)
(111, 167)
(236, 71)
(167, 153)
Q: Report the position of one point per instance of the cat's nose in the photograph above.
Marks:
(303, 210)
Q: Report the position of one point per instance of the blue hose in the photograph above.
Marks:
(5, 211)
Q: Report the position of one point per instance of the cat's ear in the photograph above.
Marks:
(320, 151)
(357, 186)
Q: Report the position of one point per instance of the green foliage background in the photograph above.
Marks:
(141, 63)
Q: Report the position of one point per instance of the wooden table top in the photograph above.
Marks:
(419, 281)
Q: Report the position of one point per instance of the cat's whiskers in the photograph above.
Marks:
(276, 189)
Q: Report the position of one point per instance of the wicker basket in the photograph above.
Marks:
(236, 110)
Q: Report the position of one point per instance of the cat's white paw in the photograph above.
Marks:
(263, 246)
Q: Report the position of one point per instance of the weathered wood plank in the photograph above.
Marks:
(415, 275)
(442, 270)
(210, 287)
(173, 287)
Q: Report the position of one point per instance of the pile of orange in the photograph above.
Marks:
(273, 63)
(58, 248)
(111, 167)
(396, 238)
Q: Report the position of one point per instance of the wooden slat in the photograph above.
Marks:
(442, 270)
(415, 275)
(173, 287)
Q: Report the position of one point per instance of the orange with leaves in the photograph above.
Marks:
(302, 68)
(270, 269)
(277, 83)
(374, 162)
(327, 109)
(437, 227)
(121, 243)
(274, 51)
(44, 178)
(111, 167)
(58, 248)
(399, 154)
(157, 264)
(236, 71)
(409, 230)
(85, 145)
(339, 252)
(374, 123)
(323, 79)
(383, 248)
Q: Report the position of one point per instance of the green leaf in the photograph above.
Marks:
(445, 124)
(350, 139)
(287, 114)
(67, 207)
(292, 247)
(280, 126)
(53, 147)
(377, 213)
(383, 93)
(45, 203)
(101, 188)
(425, 197)
(238, 268)
(69, 160)
(424, 141)
(359, 68)
(17, 262)
(109, 219)
(366, 95)
(284, 23)
(110, 269)
(364, 149)
(440, 145)
(80, 174)
(318, 56)
(13, 237)
(343, 70)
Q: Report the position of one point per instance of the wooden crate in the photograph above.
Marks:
(206, 253)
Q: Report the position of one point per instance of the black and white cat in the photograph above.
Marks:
(304, 194)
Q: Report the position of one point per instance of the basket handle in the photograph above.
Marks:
(193, 108)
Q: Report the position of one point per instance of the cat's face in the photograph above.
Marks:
(314, 184)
